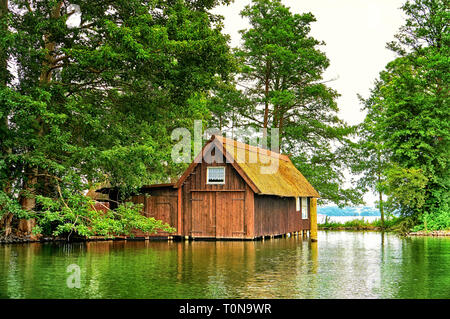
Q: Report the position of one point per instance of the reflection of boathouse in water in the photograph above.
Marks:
(230, 191)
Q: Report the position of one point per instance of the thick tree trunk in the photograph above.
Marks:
(26, 226)
(6, 220)
(6, 223)
(29, 202)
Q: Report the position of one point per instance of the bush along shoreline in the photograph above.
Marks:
(355, 224)
(400, 225)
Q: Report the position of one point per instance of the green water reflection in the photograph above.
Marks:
(339, 265)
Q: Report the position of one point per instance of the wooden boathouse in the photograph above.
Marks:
(233, 191)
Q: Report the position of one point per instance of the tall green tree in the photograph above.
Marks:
(6, 218)
(368, 157)
(414, 120)
(281, 70)
(95, 91)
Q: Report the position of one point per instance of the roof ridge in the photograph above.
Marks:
(255, 149)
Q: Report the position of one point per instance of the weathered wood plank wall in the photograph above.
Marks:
(160, 204)
(277, 216)
(217, 210)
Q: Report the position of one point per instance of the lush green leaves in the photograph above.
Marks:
(78, 215)
(408, 115)
(96, 99)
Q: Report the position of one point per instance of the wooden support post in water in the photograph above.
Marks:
(313, 219)
(179, 213)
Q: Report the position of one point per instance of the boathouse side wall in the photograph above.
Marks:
(160, 203)
(276, 215)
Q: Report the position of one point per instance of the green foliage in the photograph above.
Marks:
(96, 100)
(408, 117)
(76, 215)
(10, 205)
(438, 220)
(407, 189)
(356, 224)
(390, 224)
(368, 156)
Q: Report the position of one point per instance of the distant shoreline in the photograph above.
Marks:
(360, 225)
(348, 211)
(27, 240)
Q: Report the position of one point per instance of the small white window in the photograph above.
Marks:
(297, 204)
(304, 208)
(215, 175)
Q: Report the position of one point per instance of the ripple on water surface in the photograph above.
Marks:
(340, 265)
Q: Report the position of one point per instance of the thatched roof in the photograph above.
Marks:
(266, 172)
(271, 172)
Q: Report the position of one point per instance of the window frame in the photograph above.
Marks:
(298, 204)
(305, 214)
(215, 183)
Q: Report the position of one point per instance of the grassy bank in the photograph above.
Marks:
(391, 224)
(401, 225)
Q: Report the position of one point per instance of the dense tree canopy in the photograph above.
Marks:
(412, 112)
(367, 155)
(95, 97)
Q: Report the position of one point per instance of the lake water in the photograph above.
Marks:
(341, 264)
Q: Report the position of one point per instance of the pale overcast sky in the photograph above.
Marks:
(355, 33)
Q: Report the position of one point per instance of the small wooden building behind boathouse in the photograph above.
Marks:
(234, 191)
